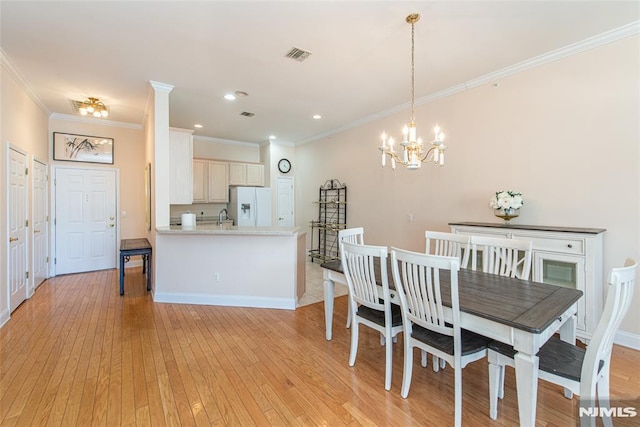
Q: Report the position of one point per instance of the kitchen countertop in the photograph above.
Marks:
(229, 230)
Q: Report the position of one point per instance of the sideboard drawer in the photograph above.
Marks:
(565, 246)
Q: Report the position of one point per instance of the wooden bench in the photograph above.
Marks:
(131, 247)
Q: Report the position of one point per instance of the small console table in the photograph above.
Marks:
(129, 248)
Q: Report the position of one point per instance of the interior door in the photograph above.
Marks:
(17, 228)
(285, 201)
(40, 225)
(85, 220)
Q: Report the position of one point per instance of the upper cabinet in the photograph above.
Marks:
(247, 174)
(180, 166)
(210, 181)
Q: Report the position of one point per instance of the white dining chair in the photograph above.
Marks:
(350, 235)
(370, 304)
(445, 244)
(417, 279)
(583, 372)
(448, 244)
(506, 257)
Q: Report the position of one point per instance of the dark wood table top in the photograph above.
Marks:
(522, 304)
(134, 244)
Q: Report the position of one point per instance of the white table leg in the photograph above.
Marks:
(527, 385)
(329, 293)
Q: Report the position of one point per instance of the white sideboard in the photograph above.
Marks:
(562, 256)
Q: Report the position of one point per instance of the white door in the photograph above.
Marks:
(40, 225)
(85, 220)
(17, 228)
(285, 201)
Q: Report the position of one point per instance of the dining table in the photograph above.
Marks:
(521, 313)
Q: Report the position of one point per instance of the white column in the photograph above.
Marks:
(160, 168)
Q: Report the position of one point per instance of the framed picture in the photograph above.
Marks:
(82, 148)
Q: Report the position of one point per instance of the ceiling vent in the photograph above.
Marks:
(298, 54)
(247, 114)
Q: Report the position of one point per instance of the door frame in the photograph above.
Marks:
(32, 275)
(52, 220)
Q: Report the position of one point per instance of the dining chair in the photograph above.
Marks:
(350, 235)
(448, 244)
(583, 372)
(428, 324)
(370, 304)
(506, 257)
(445, 244)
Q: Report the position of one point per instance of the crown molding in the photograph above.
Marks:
(224, 141)
(616, 34)
(13, 71)
(161, 87)
(95, 121)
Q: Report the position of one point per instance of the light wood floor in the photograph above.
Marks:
(77, 353)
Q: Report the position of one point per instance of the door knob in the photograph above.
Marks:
(112, 225)
(12, 239)
(36, 231)
(280, 219)
(111, 218)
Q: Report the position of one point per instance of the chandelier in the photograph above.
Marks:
(92, 106)
(413, 150)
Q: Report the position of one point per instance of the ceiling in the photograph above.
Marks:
(359, 66)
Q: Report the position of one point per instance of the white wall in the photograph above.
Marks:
(23, 125)
(565, 134)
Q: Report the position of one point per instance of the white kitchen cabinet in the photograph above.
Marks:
(562, 256)
(218, 182)
(249, 174)
(200, 177)
(210, 181)
(180, 166)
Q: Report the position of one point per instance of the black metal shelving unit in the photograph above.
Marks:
(332, 217)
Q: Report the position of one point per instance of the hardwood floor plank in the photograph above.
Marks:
(78, 353)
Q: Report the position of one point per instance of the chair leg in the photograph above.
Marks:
(458, 395)
(408, 367)
(602, 388)
(436, 363)
(354, 342)
(501, 383)
(388, 360)
(348, 315)
(424, 358)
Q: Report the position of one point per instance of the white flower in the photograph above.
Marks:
(506, 200)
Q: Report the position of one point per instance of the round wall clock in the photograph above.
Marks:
(284, 165)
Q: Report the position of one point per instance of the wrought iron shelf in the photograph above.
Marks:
(332, 217)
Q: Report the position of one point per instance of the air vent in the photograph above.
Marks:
(247, 114)
(298, 54)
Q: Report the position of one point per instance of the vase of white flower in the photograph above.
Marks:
(506, 204)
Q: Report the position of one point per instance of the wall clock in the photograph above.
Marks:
(284, 165)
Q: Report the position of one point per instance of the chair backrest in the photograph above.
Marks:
(359, 264)
(448, 244)
(502, 256)
(351, 235)
(417, 280)
(619, 295)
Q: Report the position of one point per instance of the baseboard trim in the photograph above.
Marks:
(4, 317)
(225, 300)
(627, 339)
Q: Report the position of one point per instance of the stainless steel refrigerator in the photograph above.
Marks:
(250, 206)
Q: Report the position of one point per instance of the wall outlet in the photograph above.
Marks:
(216, 277)
(410, 217)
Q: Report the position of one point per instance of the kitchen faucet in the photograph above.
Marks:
(220, 217)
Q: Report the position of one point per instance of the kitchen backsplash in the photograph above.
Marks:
(200, 209)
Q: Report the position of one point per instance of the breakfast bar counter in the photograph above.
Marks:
(233, 266)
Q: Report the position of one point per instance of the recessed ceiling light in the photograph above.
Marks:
(197, 126)
(317, 116)
(272, 137)
(241, 94)
(229, 97)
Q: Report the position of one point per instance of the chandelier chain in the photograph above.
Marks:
(413, 73)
